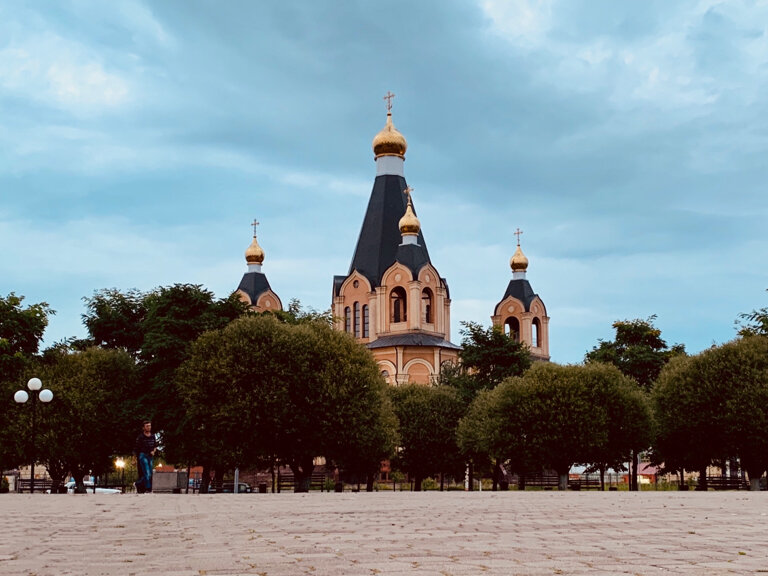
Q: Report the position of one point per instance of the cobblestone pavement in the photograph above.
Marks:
(404, 533)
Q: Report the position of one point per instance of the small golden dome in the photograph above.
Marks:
(518, 262)
(389, 142)
(409, 224)
(254, 254)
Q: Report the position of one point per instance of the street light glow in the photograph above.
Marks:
(21, 396)
(46, 395)
(34, 384)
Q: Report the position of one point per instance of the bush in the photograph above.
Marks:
(4, 486)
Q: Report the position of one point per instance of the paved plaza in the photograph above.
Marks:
(403, 533)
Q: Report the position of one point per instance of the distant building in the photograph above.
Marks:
(254, 288)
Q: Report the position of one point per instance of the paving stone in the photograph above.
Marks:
(448, 534)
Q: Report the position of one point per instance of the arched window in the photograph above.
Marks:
(535, 331)
(397, 302)
(427, 315)
(512, 328)
(347, 319)
(365, 321)
(357, 319)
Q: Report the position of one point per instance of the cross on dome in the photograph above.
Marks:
(407, 193)
(517, 233)
(388, 98)
(254, 224)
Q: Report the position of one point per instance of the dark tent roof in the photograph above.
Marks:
(378, 246)
(412, 339)
(254, 284)
(521, 290)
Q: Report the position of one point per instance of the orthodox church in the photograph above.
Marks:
(393, 300)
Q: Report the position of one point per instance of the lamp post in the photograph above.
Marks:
(120, 465)
(21, 397)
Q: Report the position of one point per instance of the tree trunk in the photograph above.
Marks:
(495, 485)
(602, 478)
(633, 479)
(562, 483)
(369, 483)
(418, 478)
(205, 480)
(702, 479)
(302, 474)
(442, 481)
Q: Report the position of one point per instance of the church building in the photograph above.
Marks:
(254, 288)
(393, 299)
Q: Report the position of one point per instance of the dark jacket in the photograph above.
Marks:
(144, 444)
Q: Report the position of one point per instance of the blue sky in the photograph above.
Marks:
(628, 140)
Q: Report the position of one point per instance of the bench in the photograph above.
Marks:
(41, 485)
(727, 483)
(584, 482)
(546, 481)
(287, 481)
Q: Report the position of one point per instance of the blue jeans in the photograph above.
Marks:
(145, 469)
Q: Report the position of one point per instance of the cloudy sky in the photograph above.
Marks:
(628, 140)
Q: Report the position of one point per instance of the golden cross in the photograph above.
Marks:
(255, 223)
(407, 192)
(388, 98)
(517, 233)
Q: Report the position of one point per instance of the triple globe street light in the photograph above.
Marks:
(44, 396)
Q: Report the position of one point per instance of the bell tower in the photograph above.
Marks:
(521, 314)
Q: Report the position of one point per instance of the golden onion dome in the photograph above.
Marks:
(409, 224)
(389, 142)
(518, 262)
(254, 254)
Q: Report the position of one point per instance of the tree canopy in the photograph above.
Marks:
(754, 323)
(260, 390)
(638, 350)
(21, 330)
(429, 417)
(93, 416)
(556, 416)
(715, 405)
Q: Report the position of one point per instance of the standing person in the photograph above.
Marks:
(145, 449)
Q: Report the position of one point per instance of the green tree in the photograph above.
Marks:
(261, 390)
(158, 328)
(715, 404)
(639, 351)
(754, 323)
(93, 416)
(429, 417)
(621, 421)
(490, 356)
(175, 317)
(21, 330)
(114, 319)
(487, 357)
(556, 416)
